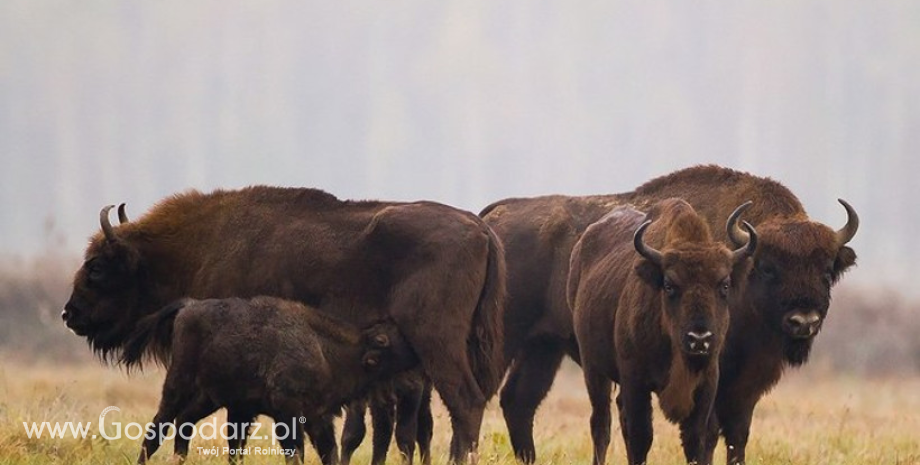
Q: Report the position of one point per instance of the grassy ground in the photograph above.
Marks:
(807, 420)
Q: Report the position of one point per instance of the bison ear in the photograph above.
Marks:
(846, 258)
(381, 340)
(650, 273)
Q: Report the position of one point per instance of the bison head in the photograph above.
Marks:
(385, 350)
(794, 269)
(694, 275)
(105, 290)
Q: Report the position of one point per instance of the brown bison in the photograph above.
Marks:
(774, 320)
(438, 272)
(656, 322)
(260, 356)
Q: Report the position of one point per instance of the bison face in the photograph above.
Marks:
(694, 286)
(790, 283)
(105, 292)
(794, 269)
(694, 279)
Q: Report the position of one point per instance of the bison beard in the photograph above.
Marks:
(438, 272)
(796, 352)
(539, 234)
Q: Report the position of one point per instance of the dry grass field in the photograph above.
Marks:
(808, 419)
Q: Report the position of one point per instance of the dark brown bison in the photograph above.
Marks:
(260, 356)
(407, 405)
(773, 320)
(436, 271)
(655, 322)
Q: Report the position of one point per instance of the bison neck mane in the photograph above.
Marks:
(677, 397)
(756, 355)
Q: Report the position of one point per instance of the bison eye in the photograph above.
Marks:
(766, 270)
(94, 271)
(724, 287)
(669, 288)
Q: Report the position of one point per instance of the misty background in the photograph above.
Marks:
(462, 102)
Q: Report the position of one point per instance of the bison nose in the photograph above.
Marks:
(65, 315)
(802, 325)
(699, 342)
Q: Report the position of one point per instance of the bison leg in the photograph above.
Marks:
(194, 411)
(444, 358)
(599, 387)
(176, 389)
(240, 419)
(152, 439)
(408, 406)
(464, 400)
(322, 436)
(735, 420)
(292, 440)
(425, 425)
(694, 430)
(354, 430)
(635, 405)
(382, 417)
(529, 380)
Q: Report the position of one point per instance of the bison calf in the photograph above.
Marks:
(261, 356)
(654, 322)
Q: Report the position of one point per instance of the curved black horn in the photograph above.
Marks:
(738, 237)
(649, 253)
(747, 250)
(846, 233)
(122, 216)
(106, 225)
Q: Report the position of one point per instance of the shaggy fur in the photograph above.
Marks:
(797, 262)
(436, 271)
(260, 356)
(632, 322)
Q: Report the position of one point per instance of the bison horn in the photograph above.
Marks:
(122, 216)
(738, 237)
(846, 233)
(747, 250)
(106, 226)
(649, 253)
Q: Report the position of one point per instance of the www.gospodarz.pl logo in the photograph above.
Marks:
(208, 430)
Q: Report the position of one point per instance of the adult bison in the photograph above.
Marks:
(774, 320)
(655, 321)
(436, 271)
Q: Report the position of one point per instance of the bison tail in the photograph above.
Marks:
(485, 344)
(151, 339)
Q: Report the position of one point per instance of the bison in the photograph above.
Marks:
(656, 322)
(260, 356)
(438, 272)
(774, 320)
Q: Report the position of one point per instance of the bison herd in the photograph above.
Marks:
(701, 286)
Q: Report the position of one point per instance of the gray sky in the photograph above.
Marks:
(462, 102)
